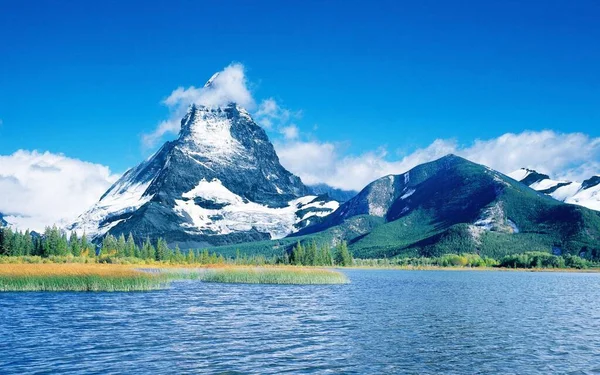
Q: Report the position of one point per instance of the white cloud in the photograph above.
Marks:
(557, 154)
(571, 156)
(227, 86)
(290, 132)
(270, 113)
(40, 189)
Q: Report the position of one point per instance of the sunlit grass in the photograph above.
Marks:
(273, 275)
(122, 278)
(77, 277)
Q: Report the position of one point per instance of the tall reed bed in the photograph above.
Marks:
(77, 277)
(121, 278)
(273, 275)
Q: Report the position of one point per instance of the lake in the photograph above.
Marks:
(385, 321)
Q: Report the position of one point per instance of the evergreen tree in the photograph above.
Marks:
(121, 246)
(162, 251)
(109, 245)
(63, 244)
(87, 248)
(343, 257)
(311, 255)
(15, 244)
(149, 251)
(28, 243)
(298, 256)
(51, 241)
(179, 258)
(4, 241)
(130, 248)
(75, 244)
(190, 257)
(38, 247)
(205, 258)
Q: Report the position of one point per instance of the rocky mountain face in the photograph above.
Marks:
(3, 222)
(454, 205)
(586, 193)
(219, 183)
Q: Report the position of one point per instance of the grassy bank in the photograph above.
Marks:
(122, 278)
(77, 277)
(273, 275)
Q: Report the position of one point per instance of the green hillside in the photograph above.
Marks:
(450, 205)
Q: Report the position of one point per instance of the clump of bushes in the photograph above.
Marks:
(537, 259)
(446, 260)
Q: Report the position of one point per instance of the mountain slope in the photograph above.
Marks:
(586, 193)
(3, 222)
(220, 182)
(454, 205)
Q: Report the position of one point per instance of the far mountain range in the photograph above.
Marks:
(220, 185)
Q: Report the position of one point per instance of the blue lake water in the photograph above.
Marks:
(414, 322)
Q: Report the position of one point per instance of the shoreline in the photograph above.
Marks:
(470, 269)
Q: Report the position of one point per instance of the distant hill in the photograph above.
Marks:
(452, 205)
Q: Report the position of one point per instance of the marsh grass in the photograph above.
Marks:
(77, 277)
(273, 275)
(122, 278)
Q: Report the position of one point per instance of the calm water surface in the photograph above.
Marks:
(413, 322)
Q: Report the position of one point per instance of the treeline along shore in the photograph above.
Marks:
(55, 246)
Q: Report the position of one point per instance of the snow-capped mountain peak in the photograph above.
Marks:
(206, 132)
(219, 182)
(586, 193)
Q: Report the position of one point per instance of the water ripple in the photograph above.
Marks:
(383, 322)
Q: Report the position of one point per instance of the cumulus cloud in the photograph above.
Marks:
(290, 132)
(39, 189)
(572, 156)
(271, 114)
(227, 86)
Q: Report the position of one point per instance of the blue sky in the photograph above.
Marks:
(376, 82)
(87, 79)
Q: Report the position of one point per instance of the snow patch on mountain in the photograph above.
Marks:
(408, 193)
(520, 174)
(563, 193)
(589, 198)
(213, 191)
(239, 214)
(583, 194)
(121, 200)
(207, 133)
(547, 184)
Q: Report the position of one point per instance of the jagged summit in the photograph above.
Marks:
(219, 182)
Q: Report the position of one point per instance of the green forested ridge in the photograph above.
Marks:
(456, 206)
